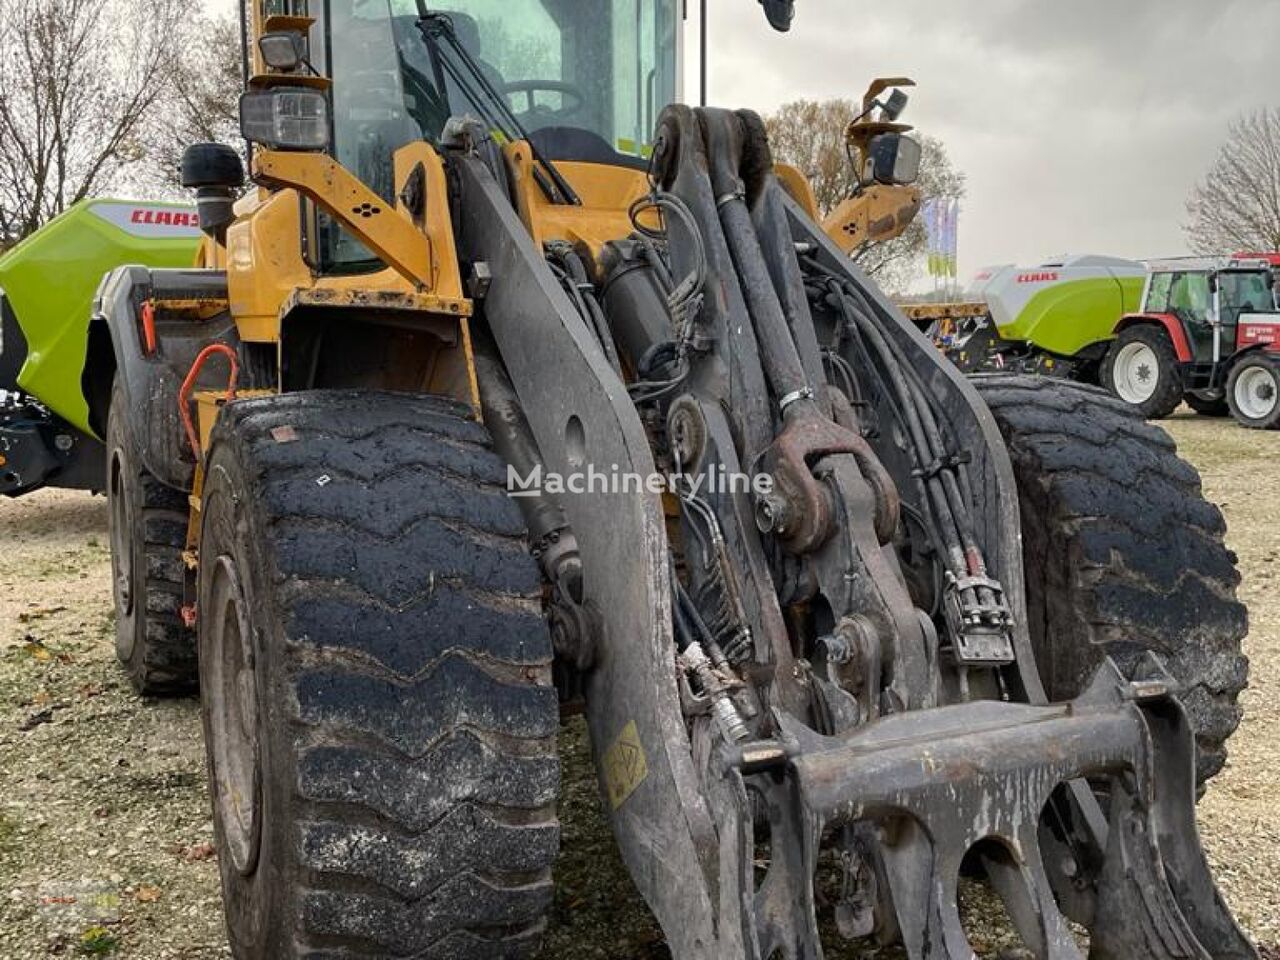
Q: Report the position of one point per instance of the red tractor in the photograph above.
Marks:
(1209, 334)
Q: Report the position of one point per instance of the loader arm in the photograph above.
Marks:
(866, 734)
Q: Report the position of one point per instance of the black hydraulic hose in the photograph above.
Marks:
(948, 529)
(960, 505)
(778, 352)
(573, 275)
(920, 423)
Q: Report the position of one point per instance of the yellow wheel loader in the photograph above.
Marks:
(512, 388)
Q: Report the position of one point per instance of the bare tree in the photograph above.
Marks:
(1236, 207)
(810, 136)
(201, 104)
(77, 78)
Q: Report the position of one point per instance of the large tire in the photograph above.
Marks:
(1254, 392)
(147, 522)
(1142, 370)
(378, 708)
(1123, 553)
(1208, 405)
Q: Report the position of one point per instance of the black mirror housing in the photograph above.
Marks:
(212, 165)
(216, 173)
(780, 13)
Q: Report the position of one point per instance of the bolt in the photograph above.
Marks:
(772, 513)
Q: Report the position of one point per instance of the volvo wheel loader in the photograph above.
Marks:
(831, 604)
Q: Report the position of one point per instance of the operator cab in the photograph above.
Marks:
(584, 80)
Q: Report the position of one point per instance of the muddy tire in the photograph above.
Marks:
(1123, 553)
(1142, 370)
(378, 708)
(1254, 392)
(147, 522)
(1208, 405)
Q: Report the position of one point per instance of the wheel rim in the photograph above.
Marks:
(1136, 373)
(120, 519)
(1256, 393)
(233, 718)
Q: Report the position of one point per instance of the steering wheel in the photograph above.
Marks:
(574, 98)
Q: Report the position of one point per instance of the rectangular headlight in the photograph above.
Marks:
(285, 118)
(895, 159)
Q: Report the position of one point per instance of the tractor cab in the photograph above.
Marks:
(1213, 308)
(1206, 325)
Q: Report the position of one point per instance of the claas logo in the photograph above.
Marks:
(1038, 278)
(166, 218)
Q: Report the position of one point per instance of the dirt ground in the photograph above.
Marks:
(105, 836)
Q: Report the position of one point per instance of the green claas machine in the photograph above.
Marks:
(1200, 331)
(47, 286)
(1058, 318)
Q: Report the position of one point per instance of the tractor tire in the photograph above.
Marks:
(1142, 370)
(1253, 391)
(379, 715)
(1208, 405)
(147, 524)
(1122, 552)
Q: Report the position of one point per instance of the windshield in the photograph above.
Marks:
(1247, 292)
(587, 78)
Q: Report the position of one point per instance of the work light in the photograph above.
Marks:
(895, 159)
(285, 118)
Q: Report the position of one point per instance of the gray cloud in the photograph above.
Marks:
(1082, 124)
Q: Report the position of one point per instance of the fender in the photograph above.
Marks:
(1172, 326)
(152, 378)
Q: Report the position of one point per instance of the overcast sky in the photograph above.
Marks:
(1081, 124)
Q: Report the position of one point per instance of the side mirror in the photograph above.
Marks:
(283, 50)
(895, 159)
(214, 171)
(780, 13)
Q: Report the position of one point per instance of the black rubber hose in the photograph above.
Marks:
(948, 529)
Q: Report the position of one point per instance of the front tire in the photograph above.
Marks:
(1123, 554)
(379, 715)
(1253, 391)
(147, 524)
(1142, 370)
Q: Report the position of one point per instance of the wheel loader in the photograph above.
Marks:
(486, 258)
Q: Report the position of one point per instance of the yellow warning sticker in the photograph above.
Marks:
(625, 766)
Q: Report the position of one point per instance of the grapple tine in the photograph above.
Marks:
(942, 784)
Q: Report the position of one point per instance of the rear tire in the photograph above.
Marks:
(1253, 390)
(1208, 405)
(379, 715)
(1123, 554)
(1142, 370)
(147, 523)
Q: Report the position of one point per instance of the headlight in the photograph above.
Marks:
(285, 118)
(895, 159)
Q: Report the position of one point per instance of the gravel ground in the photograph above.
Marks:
(105, 839)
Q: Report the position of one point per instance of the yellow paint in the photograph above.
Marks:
(625, 766)
(798, 186)
(388, 232)
(874, 215)
(607, 193)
